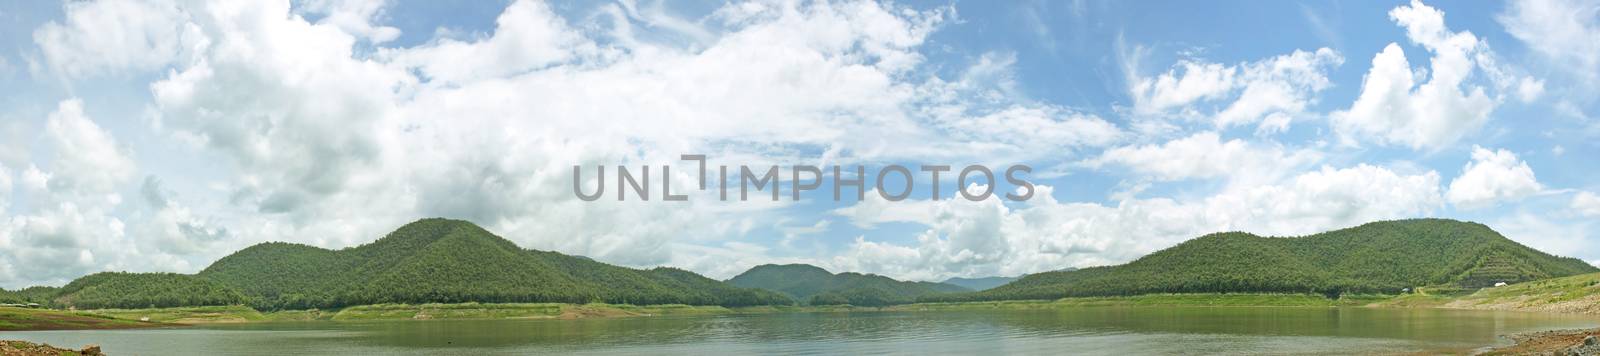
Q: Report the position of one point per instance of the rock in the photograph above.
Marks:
(1590, 341)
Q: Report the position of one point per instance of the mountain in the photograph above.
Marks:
(427, 261)
(817, 286)
(1379, 257)
(439, 260)
(37, 294)
(981, 283)
(144, 290)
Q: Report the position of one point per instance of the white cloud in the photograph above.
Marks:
(353, 16)
(1586, 204)
(1564, 31)
(1205, 155)
(987, 238)
(329, 146)
(528, 36)
(5, 190)
(71, 231)
(1269, 92)
(1441, 109)
(88, 159)
(112, 36)
(1491, 177)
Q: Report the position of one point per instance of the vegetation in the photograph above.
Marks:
(817, 286)
(451, 261)
(979, 284)
(144, 290)
(186, 315)
(1200, 299)
(39, 295)
(1574, 294)
(1375, 258)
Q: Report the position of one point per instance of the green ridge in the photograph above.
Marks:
(1381, 257)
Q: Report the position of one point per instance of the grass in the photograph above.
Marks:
(1210, 299)
(187, 315)
(449, 311)
(1572, 294)
(46, 319)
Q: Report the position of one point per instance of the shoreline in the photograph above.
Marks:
(1549, 341)
(1553, 342)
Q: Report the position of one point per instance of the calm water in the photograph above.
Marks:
(1109, 330)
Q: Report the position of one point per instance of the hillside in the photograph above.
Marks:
(427, 261)
(37, 294)
(1578, 294)
(1380, 257)
(979, 284)
(817, 286)
(446, 261)
(144, 290)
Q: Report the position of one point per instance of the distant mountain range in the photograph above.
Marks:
(981, 283)
(816, 286)
(1380, 257)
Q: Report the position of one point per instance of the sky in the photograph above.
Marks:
(159, 136)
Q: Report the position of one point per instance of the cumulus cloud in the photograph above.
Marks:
(965, 238)
(330, 143)
(104, 37)
(71, 231)
(1426, 108)
(1269, 92)
(88, 159)
(1492, 176)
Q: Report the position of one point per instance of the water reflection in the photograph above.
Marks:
(1106, 330)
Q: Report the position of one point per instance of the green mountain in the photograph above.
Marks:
(981, 283)
(427, 261)
(817, 286)
(1380, 257)
(144, 290)
(37, 294)
(438, 260)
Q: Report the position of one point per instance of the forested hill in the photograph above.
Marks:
(431, 260)
(817, 286)
(1380, 257)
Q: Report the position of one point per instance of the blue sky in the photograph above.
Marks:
(159, 136)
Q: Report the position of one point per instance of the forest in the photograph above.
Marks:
(1386, 257)
(428, 261)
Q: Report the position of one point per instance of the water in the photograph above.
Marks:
(1103, 330)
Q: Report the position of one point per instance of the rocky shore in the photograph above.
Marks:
(1584, 342)
(24, 348)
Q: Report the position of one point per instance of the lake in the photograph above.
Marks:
(1085, 330)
